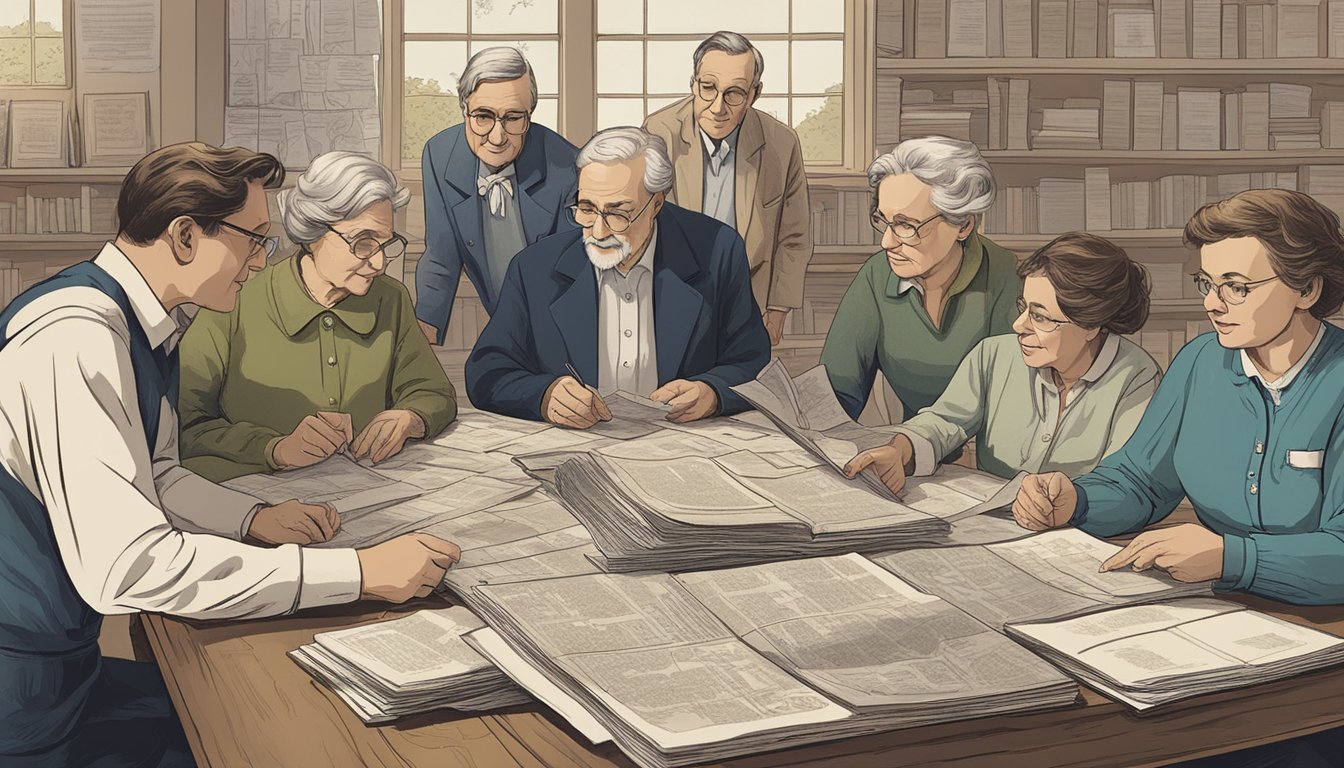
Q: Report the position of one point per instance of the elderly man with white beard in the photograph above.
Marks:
(646, 298)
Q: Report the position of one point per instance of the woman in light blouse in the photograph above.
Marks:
(1061, 392)
(322, 352)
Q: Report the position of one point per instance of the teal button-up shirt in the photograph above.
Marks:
(1269, 478)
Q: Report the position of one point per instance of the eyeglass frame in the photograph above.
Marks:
(382, 247)
(914, 237)
(500, 119)
(1024, 307)
(1217, 288)
(697, 86)
(269, 243)
(573, 209)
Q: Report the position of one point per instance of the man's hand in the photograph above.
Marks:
(1188, 552)
(690, 400)
(774, 324)
(386, 434)
(408, 566)
(431, 333)
(314, 439)
(1045, 501)
(293, 522)
(570, 404)
(892, 462)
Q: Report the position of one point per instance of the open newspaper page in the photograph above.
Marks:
(1148, 655)
(692, 490)
(669, 680)
(337, 480)
(469, 495)
(1047, 576)
(874, 643)
(423, 647)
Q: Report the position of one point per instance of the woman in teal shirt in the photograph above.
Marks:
(1248, 424)
(1060, 393)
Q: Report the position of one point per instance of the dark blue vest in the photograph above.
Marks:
(48, 634)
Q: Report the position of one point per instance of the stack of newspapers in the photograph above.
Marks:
(409, 665)
(683, 669)
(1149, 655)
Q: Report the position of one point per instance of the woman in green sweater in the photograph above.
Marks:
(1061, 393)
(936, 288)
(322, 353)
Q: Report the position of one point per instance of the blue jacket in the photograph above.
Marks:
(1269, 479)
(706, 323)
(546, 180)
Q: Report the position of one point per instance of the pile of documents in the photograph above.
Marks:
(1148, 655)
(682, 669)
(409, 665)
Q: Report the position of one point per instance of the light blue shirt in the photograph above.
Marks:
(1268, 477)
(720, 199)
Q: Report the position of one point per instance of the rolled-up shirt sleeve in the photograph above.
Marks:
(86, 458)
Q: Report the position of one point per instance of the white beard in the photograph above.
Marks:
(607, 252)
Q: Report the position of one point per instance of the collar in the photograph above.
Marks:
(484, 171)
(645, 259)
(157, 323)
(719, 154)
(972, 257)
(295, 309)
(915, 284)
(1042, 382)
(1249, 370)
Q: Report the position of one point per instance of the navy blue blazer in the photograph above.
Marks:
(706, 323)
(545, 181)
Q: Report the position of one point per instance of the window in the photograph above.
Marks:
(32, 42)
(644, 61)
(440, 35)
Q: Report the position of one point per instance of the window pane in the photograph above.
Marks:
(50, 61)
(775, 78)
(670, 66)
(16, 61)
(435, 16)
(543, 55)
(820, 126)
(777, 108)
(515, 17)
(657, 104)
(817, 65)
(705, 16)
(620, 17)
(818, 16)
(433, 67)
(612, 112)
(422, 117)
(547, 114)
(13, 18)
(48, 14)
(620, 66)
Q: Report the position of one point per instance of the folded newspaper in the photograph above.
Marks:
(714, 665)
(409, 665)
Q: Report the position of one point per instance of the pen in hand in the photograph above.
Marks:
(574, 372)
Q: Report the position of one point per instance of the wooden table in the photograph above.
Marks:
(243, 702)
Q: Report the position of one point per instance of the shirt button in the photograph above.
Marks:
(629, 297)
(626, 364)
(1250, 474)
(331, 401)
(1254, 489)
(331, 360)
(1045, 438)
(629, 333)
(1259, 447)
(326, 322)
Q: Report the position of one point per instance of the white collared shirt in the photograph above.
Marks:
(1277, 386)
(915, 284)
(136, 532)
(1045, 393)
(720, 193)
(627, 354)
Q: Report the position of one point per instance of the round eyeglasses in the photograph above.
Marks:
(586, 216)
(902, 229)
(733, 97)
(366, 247)
(482, 122)
(1230, 292)
(1039, 320)
(259, 241)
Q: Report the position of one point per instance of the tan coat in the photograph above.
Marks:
(773, 214)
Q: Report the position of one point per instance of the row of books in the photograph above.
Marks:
(1201, 29)
(1130, 115)
(58, 209)
(17, 276)
(1164, 344)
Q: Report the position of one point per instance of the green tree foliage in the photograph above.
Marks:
(426, 109)
(16, 63)
(821, 132)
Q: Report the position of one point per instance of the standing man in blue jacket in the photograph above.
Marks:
(493, 185)
(647, 298)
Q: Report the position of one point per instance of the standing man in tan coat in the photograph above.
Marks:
(744, 168)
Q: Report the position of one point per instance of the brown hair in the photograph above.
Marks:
(1097, 284)
(191, 179)
(1301, 235)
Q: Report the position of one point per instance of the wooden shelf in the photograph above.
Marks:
(14, 246)
(1018, 67)
(838, 179)
(810, 341)
(1175, 306)
(64, 175)
(1139, 157)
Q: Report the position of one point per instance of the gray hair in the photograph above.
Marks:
(731, 43)
(625, 143)
(963, 184)
(337, 186)
(492, 64)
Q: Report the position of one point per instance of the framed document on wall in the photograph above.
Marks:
(115, 128)
(38, 132)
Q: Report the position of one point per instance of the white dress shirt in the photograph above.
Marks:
(720, 194)
(627, 355)
(136, 532)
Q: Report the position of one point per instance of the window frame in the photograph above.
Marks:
(67, 44)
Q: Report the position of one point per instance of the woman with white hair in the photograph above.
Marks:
(937, 287)
(322, 353)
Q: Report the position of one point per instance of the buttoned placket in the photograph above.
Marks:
(627, 317)
(331, 372)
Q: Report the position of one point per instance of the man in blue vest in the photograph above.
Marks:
(493, 185)
(96, 514)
